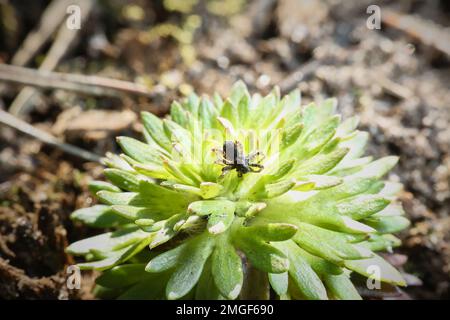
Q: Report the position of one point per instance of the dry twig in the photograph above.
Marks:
(18, 124)
(64, 38)
(92, 85)
(50, 20)
(39, 36)
(427, 32)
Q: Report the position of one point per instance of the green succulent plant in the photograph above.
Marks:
(316, 212)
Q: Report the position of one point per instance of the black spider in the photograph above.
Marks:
(233, 158)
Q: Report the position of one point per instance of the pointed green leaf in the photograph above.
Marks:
(99, 216)
(178, 114)
(107, 241)
(304, 277)
(207, 114)
(356, 144)
(291, 102)
(381, 242)
(304, 186)
(111, 198)
(207, 207)
(362, 206)
(348, 167)
(276, 189)
(96, 186)
(220, 221)
(291, 134)
(152, 170)
(254, 208)
(393, 209)
(187, 273)
(262, 255)
(227, 269)
(139, 151)
(341, 287)
(279, 282)
(244, 109)
(206, 288)
(350, 187)
(378, 168)
(166, 260)
(264, 110)
(229, 112)
(160, 199)
(103, 264)
(151, 287)
(327, 244)
(122, 276)
(238, 90)
(101, 292)
(210, 190)
(322, 181)
(271, 231)
(135, 213)
(321, 163)
(283, 169)
(166, 230)
(154, 127)
(315, 140)
(348, 126)
(114, 161)
(187, 188)
(374, 267)
(391, 224)
(123, 179)
(319, 265)
(192, 103)
(226, 125)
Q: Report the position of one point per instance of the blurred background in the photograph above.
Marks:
(59, 71)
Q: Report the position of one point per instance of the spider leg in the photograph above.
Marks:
(218, 152)
(225, 170)
(221, 160)
(255, 154)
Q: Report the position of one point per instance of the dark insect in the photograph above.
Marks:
(233, 157)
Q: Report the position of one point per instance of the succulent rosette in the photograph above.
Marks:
(316, 213)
